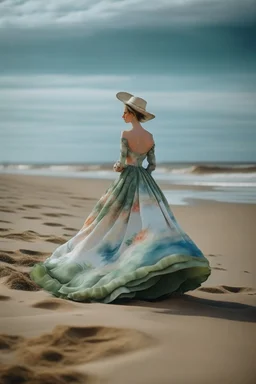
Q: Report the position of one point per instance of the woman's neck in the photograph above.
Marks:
(136, 125)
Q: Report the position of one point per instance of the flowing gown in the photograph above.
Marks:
(130, 245)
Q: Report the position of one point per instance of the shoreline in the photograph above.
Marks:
(189, 194)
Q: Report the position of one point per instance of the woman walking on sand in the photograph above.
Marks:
(131, 245)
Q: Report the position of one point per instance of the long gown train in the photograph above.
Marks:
(130, 246)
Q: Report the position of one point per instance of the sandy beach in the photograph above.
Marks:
(206, 336)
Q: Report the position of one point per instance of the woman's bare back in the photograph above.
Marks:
(139, 141)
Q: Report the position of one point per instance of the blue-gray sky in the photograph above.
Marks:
(63, 61)
(93, 14)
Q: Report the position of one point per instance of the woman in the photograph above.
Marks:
(130, 246)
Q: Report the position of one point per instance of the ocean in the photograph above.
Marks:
(223, 183)
(68, 119)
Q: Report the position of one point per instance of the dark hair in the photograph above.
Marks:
(139, 116)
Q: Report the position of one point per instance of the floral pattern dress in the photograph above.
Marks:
(130, 246)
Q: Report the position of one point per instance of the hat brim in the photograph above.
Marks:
(125, 97)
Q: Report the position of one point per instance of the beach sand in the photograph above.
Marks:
(206, 336)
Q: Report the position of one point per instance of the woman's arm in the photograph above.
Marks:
(121, 164)
(151, 158)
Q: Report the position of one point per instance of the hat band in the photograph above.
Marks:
(136, 106)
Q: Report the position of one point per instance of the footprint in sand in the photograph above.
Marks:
(9, 342)
(56, 239)
(9, 252)
(5, 221)
(26, 236)
(6, 271)
(73, 345)
(32, 253)
(57, 214)
(76, 198)
(227, 289)
(5, 258)
(5, 229)
(11, 374)
(53, 304)
(4, 298)
(219, 268)
(237, 289)
(82, 198)
(71, 229)
(17, 280)
(31, 218)
(33, 206)
(21, 281)
(18, 258)
(213, 255)
(31, 236)
(53, 224)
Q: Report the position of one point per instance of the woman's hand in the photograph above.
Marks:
(117, 167)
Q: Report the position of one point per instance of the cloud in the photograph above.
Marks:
(60, 81)
(91, 93)
(123, 13)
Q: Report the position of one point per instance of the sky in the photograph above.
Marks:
(62, 62)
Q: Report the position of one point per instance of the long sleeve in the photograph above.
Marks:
(123, 152)
(121, 163)
(151, 158)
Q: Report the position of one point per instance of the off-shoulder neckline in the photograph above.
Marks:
(137, 153)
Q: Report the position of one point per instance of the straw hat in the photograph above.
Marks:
(135, 103)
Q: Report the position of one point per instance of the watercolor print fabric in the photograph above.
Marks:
(130, 246)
